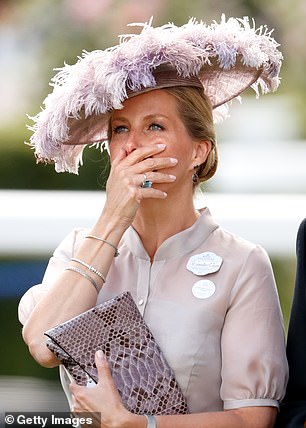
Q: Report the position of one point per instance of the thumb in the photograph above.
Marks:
(102, 367)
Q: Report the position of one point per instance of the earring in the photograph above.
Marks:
(195, 177)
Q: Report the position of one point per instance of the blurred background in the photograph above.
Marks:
(258, 192)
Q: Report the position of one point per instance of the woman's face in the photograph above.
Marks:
(152, 118)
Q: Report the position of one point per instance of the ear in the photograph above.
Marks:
(200, 152)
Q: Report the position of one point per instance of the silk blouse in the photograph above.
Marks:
(221, 332)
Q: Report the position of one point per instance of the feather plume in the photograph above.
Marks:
(228, 57)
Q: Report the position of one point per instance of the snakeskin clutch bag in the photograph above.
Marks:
(143, 377)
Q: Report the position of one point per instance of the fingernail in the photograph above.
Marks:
(165, 194)
(173, 160)
(161, 146)
(100, 355)
(172, 177)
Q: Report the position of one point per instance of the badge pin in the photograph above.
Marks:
(203, 289)
(204, 263)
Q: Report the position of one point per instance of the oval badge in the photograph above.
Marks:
(204, 263)
(203, 289)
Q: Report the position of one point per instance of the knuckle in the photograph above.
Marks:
(125, 180)
(120, 173)
(133, 193)
(150, 162)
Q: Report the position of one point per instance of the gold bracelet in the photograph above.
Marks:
(106, 242)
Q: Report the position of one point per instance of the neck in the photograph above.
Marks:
(157, 220)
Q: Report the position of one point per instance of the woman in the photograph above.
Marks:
(208, 296)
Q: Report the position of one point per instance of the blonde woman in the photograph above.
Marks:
(208, 296)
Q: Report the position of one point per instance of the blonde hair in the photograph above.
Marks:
(195, 110)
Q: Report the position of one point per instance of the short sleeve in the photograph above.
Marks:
(61, 256)
(254, 365)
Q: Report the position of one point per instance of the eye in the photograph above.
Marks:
(120, 129)
(156, 127)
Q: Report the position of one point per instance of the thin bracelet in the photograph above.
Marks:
(88, 277)
(89, 267)
(151, 421)
(106, 242)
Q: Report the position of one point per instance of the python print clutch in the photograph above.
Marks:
(143, 377)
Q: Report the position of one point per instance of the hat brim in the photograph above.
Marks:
(218, 84)
(227, 59)
(223, 86)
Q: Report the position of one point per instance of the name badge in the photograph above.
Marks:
(203, 289)
(204, 263)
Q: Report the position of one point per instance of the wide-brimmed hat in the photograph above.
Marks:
(224, 58)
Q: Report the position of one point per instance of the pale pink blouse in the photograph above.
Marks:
(221, 332)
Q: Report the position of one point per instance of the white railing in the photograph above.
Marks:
(34, 222)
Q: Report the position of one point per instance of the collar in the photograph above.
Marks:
(177, 245)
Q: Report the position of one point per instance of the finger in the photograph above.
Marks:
(155, 164)
(151, 192)
(74, 402)
(75, 406)
(155, 177)
(145, 170)
(104, 373)
(75, 389)
(120, 156)
(78, 409)
(141, 153)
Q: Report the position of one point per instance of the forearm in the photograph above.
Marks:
(72, 293)
(250, 417)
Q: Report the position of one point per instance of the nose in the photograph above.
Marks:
(133, 141)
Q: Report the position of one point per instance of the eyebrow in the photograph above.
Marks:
(148, 117)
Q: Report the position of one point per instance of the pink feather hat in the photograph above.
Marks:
(224, 58)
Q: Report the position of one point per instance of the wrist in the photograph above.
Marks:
(108, 228)
(110, 225)
(131, 420)
(120, 221)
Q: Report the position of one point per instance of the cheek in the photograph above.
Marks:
(182, 148)
(113, 154)
(113, 148)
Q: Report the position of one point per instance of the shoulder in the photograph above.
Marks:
(236, 252)
(246, 267)
(236, 247)
(226, 242)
